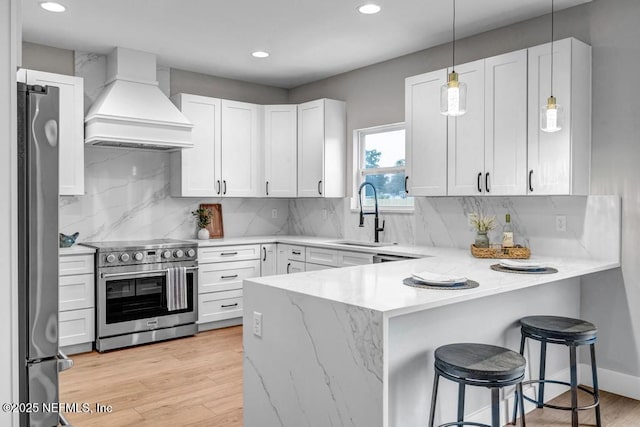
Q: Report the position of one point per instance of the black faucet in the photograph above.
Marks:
(376, 229)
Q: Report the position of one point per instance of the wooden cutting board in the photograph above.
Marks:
(215, 228)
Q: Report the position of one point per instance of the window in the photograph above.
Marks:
(379, 158)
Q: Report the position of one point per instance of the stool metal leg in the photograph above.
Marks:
(543, 363)
(515, 403)
(495, 407)
(434, 396)
(574, 386)
(596, 390)
(520, 396)
(460, 402)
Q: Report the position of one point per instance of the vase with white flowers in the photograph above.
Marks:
(203, 218)
(482, 224)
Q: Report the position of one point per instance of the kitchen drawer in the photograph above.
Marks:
(347, 259)
(224, 276)
(75, 264)
(315, 267)
(291, 252)
(216, 306)
(295, 267)
(75, 327)
(76, 292)
(322, 256)
(228, 253)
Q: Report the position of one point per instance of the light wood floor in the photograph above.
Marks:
(197, 381)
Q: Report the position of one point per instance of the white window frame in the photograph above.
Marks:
(359, 171)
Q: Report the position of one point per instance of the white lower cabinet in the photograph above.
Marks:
(76, 284)
(348, 259)
(315, 267)
(221, 272)
(295, 267)
(216, 306)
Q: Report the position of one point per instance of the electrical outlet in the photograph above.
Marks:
(561, 223)
(274, 213)
(257, 324)
(324, 214)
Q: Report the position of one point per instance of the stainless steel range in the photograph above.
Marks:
(136, 291)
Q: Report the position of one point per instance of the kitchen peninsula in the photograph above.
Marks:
(354, 346)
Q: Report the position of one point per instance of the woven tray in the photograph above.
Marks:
(512, 253)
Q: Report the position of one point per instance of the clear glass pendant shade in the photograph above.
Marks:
(453, 97)
(551, 117)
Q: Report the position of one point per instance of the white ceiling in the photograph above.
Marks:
(308, 40)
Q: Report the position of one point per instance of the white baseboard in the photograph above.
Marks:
(612, 381)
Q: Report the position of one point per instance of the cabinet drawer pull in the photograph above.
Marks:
(486, 182)
(267, 188)
(228, 253)
(320, 187)
(229, 277)
(530, 181)
(296, 252)
(406, 189)
(229, 305)
(288, 265)
(264, 254)
(479, 178)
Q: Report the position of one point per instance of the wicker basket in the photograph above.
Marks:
(514, 253)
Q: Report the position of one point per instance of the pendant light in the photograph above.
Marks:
(551, 117)
(453, 94)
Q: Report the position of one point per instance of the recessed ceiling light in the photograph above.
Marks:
(369, 9)
(260, 54)
(52, 6)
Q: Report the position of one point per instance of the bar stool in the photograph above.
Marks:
(572, 333)
(478, 365)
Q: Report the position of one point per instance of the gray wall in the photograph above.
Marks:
(375, 95)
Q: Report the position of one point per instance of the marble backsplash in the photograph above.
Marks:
(592, 223)
(127, 196)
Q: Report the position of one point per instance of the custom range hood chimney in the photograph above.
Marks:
(131, 111)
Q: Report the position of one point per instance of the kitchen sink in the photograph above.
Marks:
(362, 244)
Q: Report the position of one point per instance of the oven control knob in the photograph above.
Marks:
(124, 257)
(111, 258)
(166, 254)
(191, 253)
(179, 253)
(138, 256)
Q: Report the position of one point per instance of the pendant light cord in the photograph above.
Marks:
(453, 58)
(552, 10)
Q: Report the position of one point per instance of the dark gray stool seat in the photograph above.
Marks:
(572, 333)
(479, 365)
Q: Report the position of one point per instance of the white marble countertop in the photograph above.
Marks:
(76, 250)
(379, 286)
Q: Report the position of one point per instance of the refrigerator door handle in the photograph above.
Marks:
(64, 363)
(63, 421)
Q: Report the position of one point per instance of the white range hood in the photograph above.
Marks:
(131, 111)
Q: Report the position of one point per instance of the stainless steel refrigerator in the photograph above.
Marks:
(39, 356)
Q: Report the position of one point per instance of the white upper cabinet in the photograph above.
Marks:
(195, 172)
(241, 149)
(559, 162)
(280, 151)
(466, 135)
(426, 133)
(321, 148)
(505, 129)
(71, 127)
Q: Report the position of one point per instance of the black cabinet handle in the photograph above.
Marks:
(229, 305)
(479, 178)
(320, 187)
(296, 252)
(229, 277)
(264, 252)
(288, 265)
(228, 253)
(406, 189)
(486, 182)
(267, 188)
(219, 186)
(225, 187)
(531, 181)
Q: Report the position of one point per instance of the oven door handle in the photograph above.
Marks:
(138, 273)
